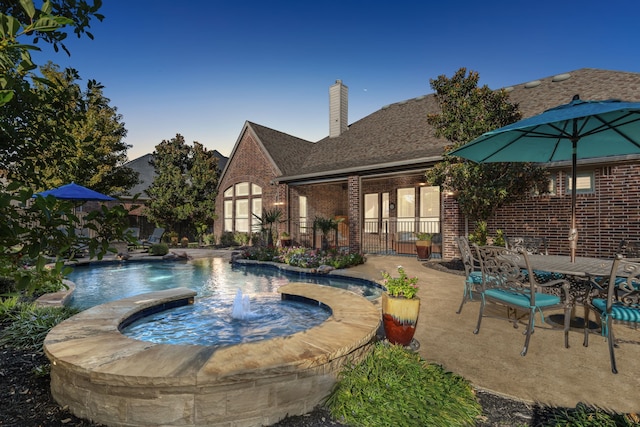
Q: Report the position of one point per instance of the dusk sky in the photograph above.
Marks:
(202, 68)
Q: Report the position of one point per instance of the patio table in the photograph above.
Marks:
(579, 274)
(583, 267)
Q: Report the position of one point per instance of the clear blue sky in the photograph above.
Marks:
(201, 68)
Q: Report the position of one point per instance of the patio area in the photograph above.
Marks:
(548, 374)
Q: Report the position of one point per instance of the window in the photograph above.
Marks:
(585, 182)
(242, 189)
(303, 216)
(430, 209)
(371, 213)
(406, 209)
(228, 215)
(241, 201)
(242, 215)
(256, 213)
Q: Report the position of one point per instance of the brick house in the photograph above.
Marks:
(370, 174)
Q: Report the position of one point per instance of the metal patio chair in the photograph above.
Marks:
(473, 275)
(531, 244)
(619, 303)
(506, 283)
(629, 248)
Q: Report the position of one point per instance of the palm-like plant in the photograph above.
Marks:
(326, 225)
(267, 220)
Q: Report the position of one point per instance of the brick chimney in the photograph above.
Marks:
(338, 108)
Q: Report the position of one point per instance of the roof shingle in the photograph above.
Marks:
(400, 132)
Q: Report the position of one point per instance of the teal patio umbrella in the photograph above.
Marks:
(578, 130)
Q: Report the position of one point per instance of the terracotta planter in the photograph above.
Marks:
(423, 249)
(399, 318)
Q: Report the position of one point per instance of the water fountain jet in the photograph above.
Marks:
(242, 307)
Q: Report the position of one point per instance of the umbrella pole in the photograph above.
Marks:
(573, 232)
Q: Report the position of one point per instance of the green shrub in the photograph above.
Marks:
(159, 249)
(261, 253)
(30, 280)
(241, 238)
(395, 387)
(7, 306)
(209, 239)
(585, 416)
(257, 239)
(227, 239)
(30, 325)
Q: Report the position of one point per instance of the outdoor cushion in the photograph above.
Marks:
(618, 311)
(475, 277)
(542, 300)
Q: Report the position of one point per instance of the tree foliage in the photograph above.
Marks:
(19, 19)
(184, 189)
(83, 135)
(468, 111)
(46, 125)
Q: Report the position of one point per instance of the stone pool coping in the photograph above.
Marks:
(106, 377)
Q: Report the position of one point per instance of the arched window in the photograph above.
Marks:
(241, 202)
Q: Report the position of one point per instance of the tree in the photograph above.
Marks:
(184, 188)
(82, 132)
(468, 111)
(20, 19)
(203, 177)
(33, 121)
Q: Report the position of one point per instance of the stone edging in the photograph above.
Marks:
(104, 376)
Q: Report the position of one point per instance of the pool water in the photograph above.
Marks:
(209, 320)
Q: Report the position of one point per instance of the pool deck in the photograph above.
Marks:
(549, 374)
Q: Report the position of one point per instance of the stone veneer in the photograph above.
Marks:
(111, 379)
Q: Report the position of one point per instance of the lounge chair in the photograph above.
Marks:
(156, 237)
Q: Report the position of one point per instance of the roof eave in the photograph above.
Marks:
(359, 170)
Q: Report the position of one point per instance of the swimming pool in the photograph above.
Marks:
(104, 282)
(209, 321)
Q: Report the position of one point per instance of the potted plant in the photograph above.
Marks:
(423, 245)
(326, 225)
(285, 239)
(400, 308)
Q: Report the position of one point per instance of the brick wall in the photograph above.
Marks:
(354, 214)
(604, 217)
(249, 164)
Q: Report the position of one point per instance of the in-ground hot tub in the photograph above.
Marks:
(106, 377)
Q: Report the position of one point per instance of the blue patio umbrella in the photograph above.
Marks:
(578, 130)
(74, 191)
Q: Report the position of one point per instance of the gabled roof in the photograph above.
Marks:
(288, 152)
(397, 137)
(147, 172)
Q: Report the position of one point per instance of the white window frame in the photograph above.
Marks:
(241, 201)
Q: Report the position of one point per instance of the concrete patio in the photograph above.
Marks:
(548, 374)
